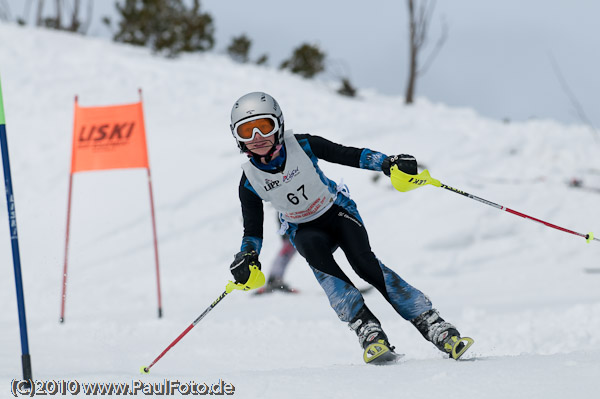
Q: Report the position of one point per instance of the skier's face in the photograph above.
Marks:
(257, 133)
(260, 145)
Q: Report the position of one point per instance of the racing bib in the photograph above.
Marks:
(298, 192)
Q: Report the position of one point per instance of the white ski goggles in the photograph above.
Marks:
(246, 129)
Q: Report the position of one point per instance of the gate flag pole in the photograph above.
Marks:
(63, 297)
(155, 238)
(14, 238)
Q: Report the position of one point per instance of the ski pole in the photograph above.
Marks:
(256, 280)
(404, 182)
(14, 240)
(146, 369)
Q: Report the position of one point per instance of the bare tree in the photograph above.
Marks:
(58, 8)
(4, 11)
(75, 16)
(572, 97)
(418, 29)
(66, 15)
(90, 11)
(40, 10)
(23, 20)
(76, 25)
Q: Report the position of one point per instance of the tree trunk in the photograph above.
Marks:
(75, 17)
(413, 52)
(83, 28)
(412, 76)
(58, 14)
(40, 9)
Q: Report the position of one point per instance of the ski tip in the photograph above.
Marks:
(379, 353)
(460, 347)
(144, 370)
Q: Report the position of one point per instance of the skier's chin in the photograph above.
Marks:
(261, 149)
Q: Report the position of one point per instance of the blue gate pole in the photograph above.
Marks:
(12, 221)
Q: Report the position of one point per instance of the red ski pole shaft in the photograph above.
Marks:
(146, 369)
(589, 237)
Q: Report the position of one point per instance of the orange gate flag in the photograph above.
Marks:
(111, 137)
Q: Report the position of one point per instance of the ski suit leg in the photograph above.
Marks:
(282, 261)
(408, 301)
(316, 245)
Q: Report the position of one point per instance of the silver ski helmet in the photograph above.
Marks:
(256, 113)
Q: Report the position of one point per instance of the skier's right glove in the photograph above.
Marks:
(406, 163)
(240, 268)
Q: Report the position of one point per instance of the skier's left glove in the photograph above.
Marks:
(240, 268)
(406, 163)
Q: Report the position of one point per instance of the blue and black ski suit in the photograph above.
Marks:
(319, 217)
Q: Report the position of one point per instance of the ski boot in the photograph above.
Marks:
(442, 334)
(377, 349)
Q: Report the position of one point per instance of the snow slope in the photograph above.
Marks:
(517, 287)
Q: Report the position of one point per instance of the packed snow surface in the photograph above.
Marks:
(523, 291)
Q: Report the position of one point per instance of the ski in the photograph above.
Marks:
(380, 355)
(387, 359)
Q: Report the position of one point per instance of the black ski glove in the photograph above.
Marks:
(240, 268)
(406, 163)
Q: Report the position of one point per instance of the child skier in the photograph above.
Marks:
(319, 217)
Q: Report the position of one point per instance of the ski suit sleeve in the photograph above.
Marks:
(363, 158)
(253, 216)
